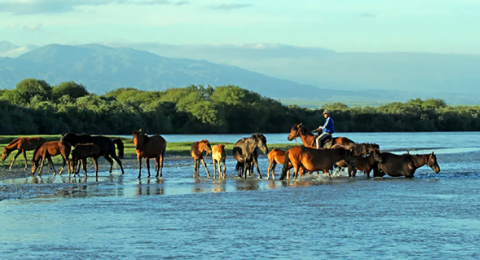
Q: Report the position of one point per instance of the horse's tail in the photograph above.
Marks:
(285, 166)
(120, 147)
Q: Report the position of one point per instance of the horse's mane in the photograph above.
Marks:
(13, 142)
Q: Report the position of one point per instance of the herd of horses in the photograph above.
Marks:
(339, 152)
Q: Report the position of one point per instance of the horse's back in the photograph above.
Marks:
(395, 165)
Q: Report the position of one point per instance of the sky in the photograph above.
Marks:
(443, 26)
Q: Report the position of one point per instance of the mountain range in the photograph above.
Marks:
(342, 77)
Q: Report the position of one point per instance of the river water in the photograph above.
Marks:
(434, 216)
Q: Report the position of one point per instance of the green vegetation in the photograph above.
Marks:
(35, 107)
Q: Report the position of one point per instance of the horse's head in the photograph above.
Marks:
(34, 166)
(296, 131)
(432, 163)
(377, 155)
(204, 145)
(5, 153)
(372, 148)
(138, 139)
(69, 138)
(261, 142)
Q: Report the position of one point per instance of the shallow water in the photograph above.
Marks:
(430, 216)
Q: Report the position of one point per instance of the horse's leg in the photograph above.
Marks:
(244, 170)
(161, 164)
(157, 165)
(14, 158)
(205, 164)
(224, 168)
(148, 166)
(25, 157)
(139, 158)
(84, 166)
(118, 161)
(258, 170)
(41, 165)
(95, 163)
(63, 164)
(270, 165)
(214, 169)
(107, 157)
(53, 166)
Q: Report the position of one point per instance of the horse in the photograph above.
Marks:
(22, 144)
(197, 153)
(311, 159)
(245, 152)
(360, 149)
(107, 146)
(80, 153)
(149, 147)
(277, 156)
(218, 158)
(46, 151)
(365, 164)
(308, 138)
(404, 165)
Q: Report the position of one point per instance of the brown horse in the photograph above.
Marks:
(308, 138)
(277, 156)
(315, 159)
(404, 165)
(80, 153)
(197, 153)
(219, 157)
(22, 144)
(149, 147)
(46, 151)
(365, 164)
(360, 150)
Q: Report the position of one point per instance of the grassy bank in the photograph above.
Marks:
(173, 148)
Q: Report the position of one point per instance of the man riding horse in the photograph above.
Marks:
(327, 129)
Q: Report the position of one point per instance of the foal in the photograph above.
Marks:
(46, 151)
(218, 157)
(197, 153)
(82, 152)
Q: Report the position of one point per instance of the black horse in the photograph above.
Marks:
(245, 153)
(107, 146)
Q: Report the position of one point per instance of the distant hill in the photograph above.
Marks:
(102, 69)
(348, 78)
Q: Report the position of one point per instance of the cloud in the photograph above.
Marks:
(32, 26)
(26, 7)
(368, 14)
(229, 6)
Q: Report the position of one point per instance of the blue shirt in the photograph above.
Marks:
(328, 127)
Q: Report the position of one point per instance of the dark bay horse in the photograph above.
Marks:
(80, 153)
(107, 146)
(311, 159)
(22, 144)
(245, 152)
(46, 151)
(404, 165)
(149, 147)
(308, 138)
(362, 163)
(197, 154)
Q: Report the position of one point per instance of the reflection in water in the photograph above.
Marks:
(219, 185)
(272, 184)
(150, 189)
(246, 184)
(198, 186)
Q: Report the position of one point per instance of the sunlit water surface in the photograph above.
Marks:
(431, 216)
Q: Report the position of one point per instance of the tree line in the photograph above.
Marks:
(36, 107)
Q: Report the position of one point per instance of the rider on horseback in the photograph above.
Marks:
(327, 129)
